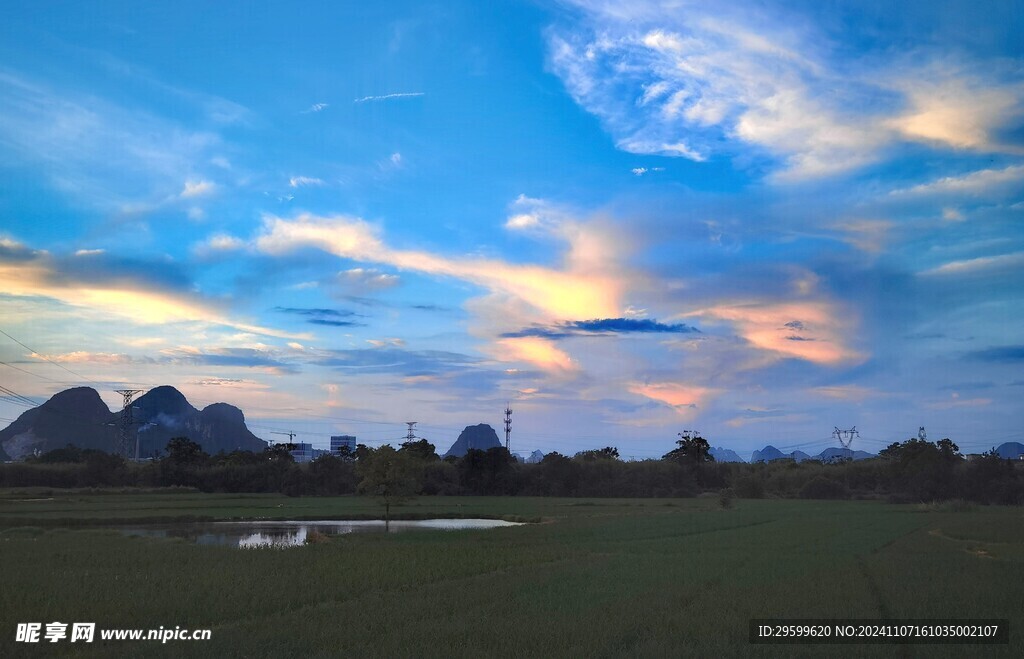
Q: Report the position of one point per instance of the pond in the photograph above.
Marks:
(294, 533)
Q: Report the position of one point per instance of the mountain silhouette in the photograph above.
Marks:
(80, 417)
(480, 436)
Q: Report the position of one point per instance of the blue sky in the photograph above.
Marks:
(628, 219)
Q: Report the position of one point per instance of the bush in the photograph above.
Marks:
(822, 487)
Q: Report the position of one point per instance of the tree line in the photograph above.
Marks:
(904, 472)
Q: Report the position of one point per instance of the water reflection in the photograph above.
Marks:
(294, 533)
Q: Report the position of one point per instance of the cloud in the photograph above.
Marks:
(1004, 354)
(537, 351)
(317, 107)
(978, 265)
(680, 396)
(866, 235)
(304, 181)
(395, 360)
(585, 287)
(980, 182)
(388, 97)
(851, 392)
(367, 279)
(142, 291)
(691, 80)
(105, 154)
(957, 112)
(218, 243)
(194, 189)
(328, 317)
(806, 330)
(264, 360)
(603, 326)
(85, 357)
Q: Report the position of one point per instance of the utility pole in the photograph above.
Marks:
(126, 424)
(508, 426)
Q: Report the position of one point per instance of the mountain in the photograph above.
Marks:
(1010, 450)
(725, 455)
(164, 412)
(75, 416)
(535, 457)
(831, 454)
(481, 437)
(78, 416)
(767, 454)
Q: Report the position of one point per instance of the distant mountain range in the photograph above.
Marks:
(80, 417)
(725, 455)
(769, 453)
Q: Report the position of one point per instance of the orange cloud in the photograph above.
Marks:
(36, 277)
(585, 288)
(537, 351)
(805, 330)
(682, 397)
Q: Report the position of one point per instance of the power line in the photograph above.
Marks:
(45, 358)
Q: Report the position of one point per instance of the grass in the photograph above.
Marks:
(600, 578)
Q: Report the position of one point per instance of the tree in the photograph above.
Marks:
(421, 450)
(345, 453)
(947, 449)
(692, 450)
(388, 475)
(183, 451)
(490, 472)
(606, 453)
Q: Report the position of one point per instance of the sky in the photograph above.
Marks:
(758, 220)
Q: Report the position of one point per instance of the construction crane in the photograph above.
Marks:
(291, 435)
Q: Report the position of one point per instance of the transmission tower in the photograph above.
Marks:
(922, 435)
(508, 425)
(125, 443)
(411, 435)
(845, 437)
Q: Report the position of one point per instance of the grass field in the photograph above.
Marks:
(599, 577)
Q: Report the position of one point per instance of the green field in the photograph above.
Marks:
(597, 577)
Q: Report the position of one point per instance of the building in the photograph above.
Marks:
(337, 441)
(302, 452)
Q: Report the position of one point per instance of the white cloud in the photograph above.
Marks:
(980, 182)
(691, 80)
(980, 264)
(368, 279)
(195, 189)
(388, 97)
(300, 181)
(317, 107)
(103, 153)
(84, 252)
